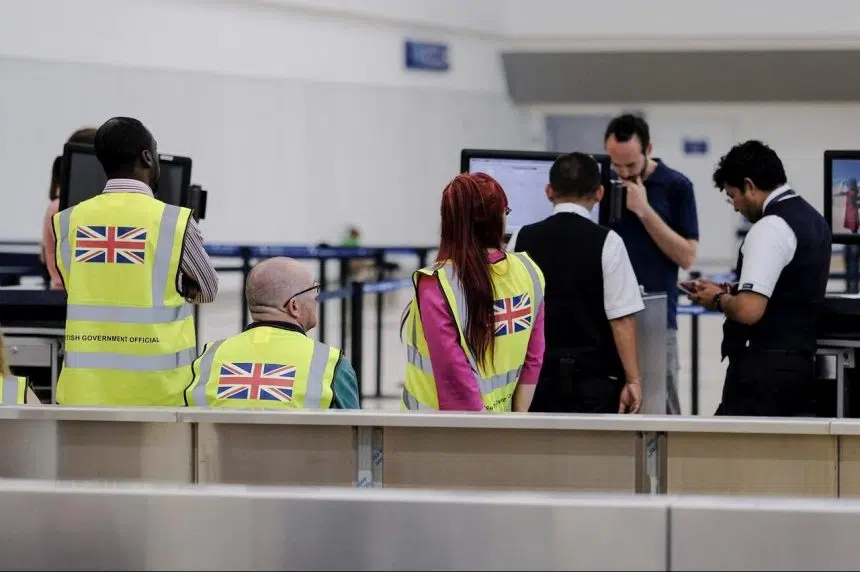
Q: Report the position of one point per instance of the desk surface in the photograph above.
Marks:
(366, 418)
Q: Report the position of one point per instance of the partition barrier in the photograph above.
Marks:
(92, 526)
(611, 453)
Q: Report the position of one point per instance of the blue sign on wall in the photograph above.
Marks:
(695, 146)
(426, 56)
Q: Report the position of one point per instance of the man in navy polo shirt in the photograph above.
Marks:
(660, 227)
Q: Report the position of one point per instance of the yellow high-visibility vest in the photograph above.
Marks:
(518, 286)
(13, 390)
(264, 367)
(130, 336)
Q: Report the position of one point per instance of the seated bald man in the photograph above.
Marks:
(273, 364)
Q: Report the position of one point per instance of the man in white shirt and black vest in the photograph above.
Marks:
(590, 362)
(772, 313)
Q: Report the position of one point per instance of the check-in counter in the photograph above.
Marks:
(759, 456)
(54, 442)
(436, 450)
(847, 432)
(457, 451)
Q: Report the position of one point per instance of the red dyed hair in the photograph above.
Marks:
(473, 221)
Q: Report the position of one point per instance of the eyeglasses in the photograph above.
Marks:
(315, 287)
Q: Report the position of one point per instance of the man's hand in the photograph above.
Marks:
(637, 197)
(631, 398)
(705, 292)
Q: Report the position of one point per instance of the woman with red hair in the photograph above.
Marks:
(474, 330)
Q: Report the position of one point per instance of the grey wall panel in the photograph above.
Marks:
(713, 76)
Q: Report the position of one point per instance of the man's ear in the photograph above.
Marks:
(749, 186)
(649, 149)
(147, 159)
(599, 194)
(548, 191)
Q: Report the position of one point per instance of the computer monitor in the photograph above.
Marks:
(524, 176)
(83, 177)
(841, 195)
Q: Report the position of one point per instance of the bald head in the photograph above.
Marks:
(273, 281)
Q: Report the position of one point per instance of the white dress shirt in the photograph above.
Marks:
(768, 248)
(621, 293)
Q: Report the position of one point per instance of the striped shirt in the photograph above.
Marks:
(198, 281)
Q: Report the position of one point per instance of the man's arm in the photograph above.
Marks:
(345, 385)
(677, 247)
(768, 248)
(199, 280)
(622, 299)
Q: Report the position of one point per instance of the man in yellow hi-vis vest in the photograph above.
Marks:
(273, 364)
(14, 390)
(518, 289)
(129, 262)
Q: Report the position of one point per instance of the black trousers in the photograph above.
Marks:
(769, 383)
(567, 388)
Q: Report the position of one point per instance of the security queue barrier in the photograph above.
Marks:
(137, 526)
(613, 453)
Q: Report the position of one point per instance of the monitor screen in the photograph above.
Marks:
(524, 177)
(842, 195)
(84, 178)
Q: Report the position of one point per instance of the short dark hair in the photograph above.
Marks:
(575, 175)
(751, 160)
(626, 126)
(119, 143)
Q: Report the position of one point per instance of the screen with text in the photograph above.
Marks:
(524, 182)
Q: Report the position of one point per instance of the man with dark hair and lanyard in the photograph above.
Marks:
(772, 313)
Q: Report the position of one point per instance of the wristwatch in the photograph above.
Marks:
(717, 304)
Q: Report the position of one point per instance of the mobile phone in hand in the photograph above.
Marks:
(687, 287)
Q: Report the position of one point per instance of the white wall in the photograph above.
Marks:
(299, 121)
(799, 133)
(698, 24)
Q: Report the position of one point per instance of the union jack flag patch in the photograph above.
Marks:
(256, 381)
(110, 244)
(513, 314)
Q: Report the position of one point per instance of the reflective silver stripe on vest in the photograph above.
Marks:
(413, 404)
(122, 362)
(158, 315)
(65, 241)
(459, 294)
(10, 390)
(535, 280)
(163, 252)
(316, 376)
(490, 384)
(198, 394)
(414, 357)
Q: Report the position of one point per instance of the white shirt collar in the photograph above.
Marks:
(571, 208)
(773, 194)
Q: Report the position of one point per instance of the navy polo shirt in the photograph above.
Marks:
(671, 196)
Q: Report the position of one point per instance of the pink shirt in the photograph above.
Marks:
(49, 245)
(455, 381)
